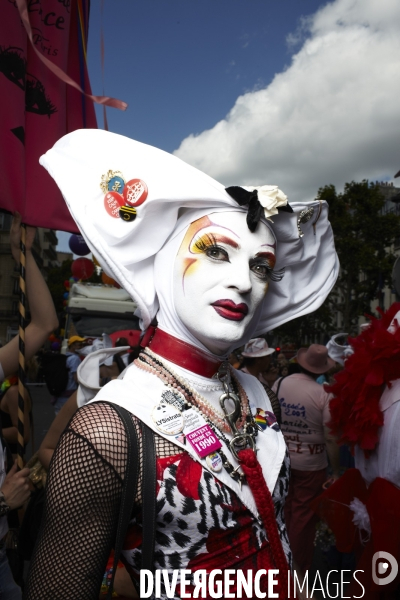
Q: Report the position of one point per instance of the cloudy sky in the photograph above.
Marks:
(298, 93)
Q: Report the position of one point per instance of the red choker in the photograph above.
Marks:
(180, 353)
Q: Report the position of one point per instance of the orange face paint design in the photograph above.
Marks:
(187, 263)
(191, 233)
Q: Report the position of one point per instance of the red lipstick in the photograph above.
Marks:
(229, 310)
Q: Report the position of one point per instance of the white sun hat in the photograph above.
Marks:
(93, 167)
(256, 348)
(338, 352)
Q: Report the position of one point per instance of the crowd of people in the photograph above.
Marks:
(169, 456)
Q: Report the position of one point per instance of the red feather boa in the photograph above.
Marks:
(355, 412)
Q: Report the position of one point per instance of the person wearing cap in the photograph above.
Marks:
(207, 262)
(75, 343)
(72, 364)
(305, 413)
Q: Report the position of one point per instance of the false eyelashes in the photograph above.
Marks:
(276, 275)
(204, 242)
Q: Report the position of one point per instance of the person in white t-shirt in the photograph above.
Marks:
(305, 413)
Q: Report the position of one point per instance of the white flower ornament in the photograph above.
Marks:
(270, 197)
(267, 199)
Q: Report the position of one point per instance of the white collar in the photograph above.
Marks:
(139, 392)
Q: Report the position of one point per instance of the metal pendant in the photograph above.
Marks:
(240, 441)
(303, 217)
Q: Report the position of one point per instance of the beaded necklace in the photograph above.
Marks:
(168, 375)
(149, 362)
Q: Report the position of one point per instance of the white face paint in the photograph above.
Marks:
(221, 276)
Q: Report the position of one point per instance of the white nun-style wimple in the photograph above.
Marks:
(126, 250)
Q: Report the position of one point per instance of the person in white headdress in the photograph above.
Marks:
(208, 263)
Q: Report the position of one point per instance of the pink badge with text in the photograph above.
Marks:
(203, 441)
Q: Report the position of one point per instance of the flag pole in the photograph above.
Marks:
(21, 357)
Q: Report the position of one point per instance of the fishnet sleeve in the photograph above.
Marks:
(83, 495)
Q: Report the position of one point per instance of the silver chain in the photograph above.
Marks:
(240, 441)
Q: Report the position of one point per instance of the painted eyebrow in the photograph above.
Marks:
(226, 240)
(269, 245)
(218, 238)
(266, 254)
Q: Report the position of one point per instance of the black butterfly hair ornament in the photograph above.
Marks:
(256, 211)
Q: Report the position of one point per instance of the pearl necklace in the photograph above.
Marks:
(171, 378)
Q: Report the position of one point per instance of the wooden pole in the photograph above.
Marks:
(21, 363)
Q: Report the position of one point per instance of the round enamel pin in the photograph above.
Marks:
(167, 419)
(214, 461)
(116, 184)
(127, 213)
(112, 203)
(112, 181)
(135, 192)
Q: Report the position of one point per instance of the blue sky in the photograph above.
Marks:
(181, 64)
(298, 93)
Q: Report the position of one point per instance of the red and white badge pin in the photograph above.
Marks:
(135, 192)
(122, 198)
(112, 203)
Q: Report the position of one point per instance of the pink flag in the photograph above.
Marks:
(36, 106)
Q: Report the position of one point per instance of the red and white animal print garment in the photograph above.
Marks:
(202, 524)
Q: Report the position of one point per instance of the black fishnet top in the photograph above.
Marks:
(83, 496)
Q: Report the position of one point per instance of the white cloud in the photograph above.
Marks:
(332, 116)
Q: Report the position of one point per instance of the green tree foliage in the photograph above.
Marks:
(303, 329)
(364, 239)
